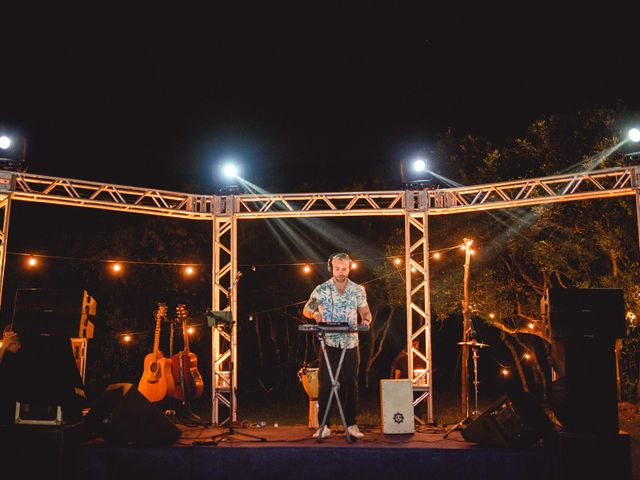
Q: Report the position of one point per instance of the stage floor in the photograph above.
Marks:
(291, 452)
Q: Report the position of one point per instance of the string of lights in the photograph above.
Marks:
(189, 268)
(33, 260)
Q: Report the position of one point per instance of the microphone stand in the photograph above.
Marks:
(215, 439)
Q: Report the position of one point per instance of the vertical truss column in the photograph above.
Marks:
(5, 208)
(636, 183)
(224, 271)
(416, 224)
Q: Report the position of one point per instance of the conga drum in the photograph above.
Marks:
(310, 382)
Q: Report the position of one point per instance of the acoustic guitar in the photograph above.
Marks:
(157, 379)
(189, 384)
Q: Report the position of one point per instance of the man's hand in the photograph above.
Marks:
(318, 314)
(11, 341)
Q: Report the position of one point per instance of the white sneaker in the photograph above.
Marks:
(354, 431)
(325, 433)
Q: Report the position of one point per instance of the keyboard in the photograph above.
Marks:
(332, 327)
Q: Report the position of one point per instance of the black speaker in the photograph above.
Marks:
(512, 421)
(584, 326)
(586, 312)
(122, 415)
(41, 311)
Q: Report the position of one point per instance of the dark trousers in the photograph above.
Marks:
(348, 381)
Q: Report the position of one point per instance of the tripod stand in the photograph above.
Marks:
(226, 318)
(463, 423)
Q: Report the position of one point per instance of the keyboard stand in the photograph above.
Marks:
(335, 386)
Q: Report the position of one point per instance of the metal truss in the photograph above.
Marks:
(224, 211)
(106, 196)
(418, 299)
(320, 204)
(5, 208)
(224, 343)
(612, 182)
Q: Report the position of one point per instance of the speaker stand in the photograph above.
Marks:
(469, 418)
(231, 431)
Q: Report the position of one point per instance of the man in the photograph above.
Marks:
(339, 300)
(9, 347)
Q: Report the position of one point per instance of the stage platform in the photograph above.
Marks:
(290, 452)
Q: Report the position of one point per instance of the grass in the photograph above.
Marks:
(293, 409)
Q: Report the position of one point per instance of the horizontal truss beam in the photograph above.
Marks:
(613, 182)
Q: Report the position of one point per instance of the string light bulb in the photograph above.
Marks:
(505, 372)
(527, 356)
(189, 270)
(116, 267)
(306, 269)
(492, 315)
(531, 326)
(397, 261)
(354, 265)
(126, 338)
(436, 255)
(190, 330)
(32, 261)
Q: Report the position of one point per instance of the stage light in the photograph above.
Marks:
(531, 326)
(306, 269)
(190, 330)
(436, 255)
(354, 265)
(228, 179)
(634, 135)
(505, 372)
(116, 267)
(414, 172)
(527, 356)
(397, 261)
(12, 152)
(126, 338)
(189, 270)
(419, 165)
(32, 261)
(413, 269)
(230, 170)
(492, 315)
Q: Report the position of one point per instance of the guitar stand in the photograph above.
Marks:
(335, 386)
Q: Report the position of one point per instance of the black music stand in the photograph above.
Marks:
(224, 318)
